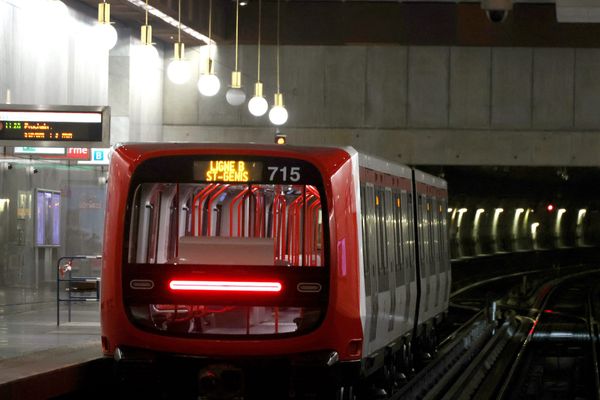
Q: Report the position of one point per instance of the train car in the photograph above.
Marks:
(322, 264)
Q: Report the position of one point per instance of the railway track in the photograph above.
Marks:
(549, 352)
(559, 357)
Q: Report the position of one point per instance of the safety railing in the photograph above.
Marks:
(76, 288)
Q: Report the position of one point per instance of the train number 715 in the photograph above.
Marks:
(291, 173)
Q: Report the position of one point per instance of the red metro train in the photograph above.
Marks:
(319, 261)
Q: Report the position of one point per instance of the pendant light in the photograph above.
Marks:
(209, 84)
(236, 95)
(147, 50)
(278, 114)
(179, 70)
(105, 34)
(258, 105)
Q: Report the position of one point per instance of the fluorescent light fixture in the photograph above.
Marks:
(47, 116)
(462, 210)
(171, 21)
(520, 210)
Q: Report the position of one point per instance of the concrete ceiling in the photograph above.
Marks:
(531, 23)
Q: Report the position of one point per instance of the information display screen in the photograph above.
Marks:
(224, 170)
(51, 127)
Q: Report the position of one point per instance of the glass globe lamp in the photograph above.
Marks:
(258, 105)
(105, 35)
(179, 70)
(278, 114)
(236, 96)
(209, 85)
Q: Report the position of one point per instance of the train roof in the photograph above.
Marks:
(366, 160)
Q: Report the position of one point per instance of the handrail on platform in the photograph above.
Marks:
(75, 283)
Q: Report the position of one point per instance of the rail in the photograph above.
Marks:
(75, 284)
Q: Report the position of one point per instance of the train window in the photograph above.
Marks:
(227, 224)
(381, 239)
(371, 228)
(399, 230)
(390, 229)
(365, 243)
(411, 235)
(423, 238)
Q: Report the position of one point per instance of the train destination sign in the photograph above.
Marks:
(79, 126)
(228, 170)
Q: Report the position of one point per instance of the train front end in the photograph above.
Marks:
(225, 255)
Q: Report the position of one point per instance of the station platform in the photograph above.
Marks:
(39, 359)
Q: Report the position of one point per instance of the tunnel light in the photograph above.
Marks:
(515, 226)
(476, 222)
(462, 210)
(4, 204)
(225, 286)
(581, 215)
(499, 210)
(450, 210)
(534, 229)
(562, 211)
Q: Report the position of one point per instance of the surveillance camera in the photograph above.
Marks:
(496, 10)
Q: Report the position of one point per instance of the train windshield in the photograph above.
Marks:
(212, 229)
(226, 224)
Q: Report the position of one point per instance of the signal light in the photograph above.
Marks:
(550, 207)
(226, 286)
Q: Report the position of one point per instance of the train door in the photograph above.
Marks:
(391, 256)
(437, 270)
(412, 256)
(423, 245)
(372, 244)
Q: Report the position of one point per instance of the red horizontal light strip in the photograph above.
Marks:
(226, 286)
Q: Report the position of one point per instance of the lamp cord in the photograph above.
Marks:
(278, 6)
(209, 27)
(259, 14)
(237, 21)
(179, 28)
(146, 12)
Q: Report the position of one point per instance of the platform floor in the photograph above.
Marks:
(34, 350)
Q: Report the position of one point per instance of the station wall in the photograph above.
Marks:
(415, 104)
(49, 58)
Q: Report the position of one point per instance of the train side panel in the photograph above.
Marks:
(432, 200)
(390, 286)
